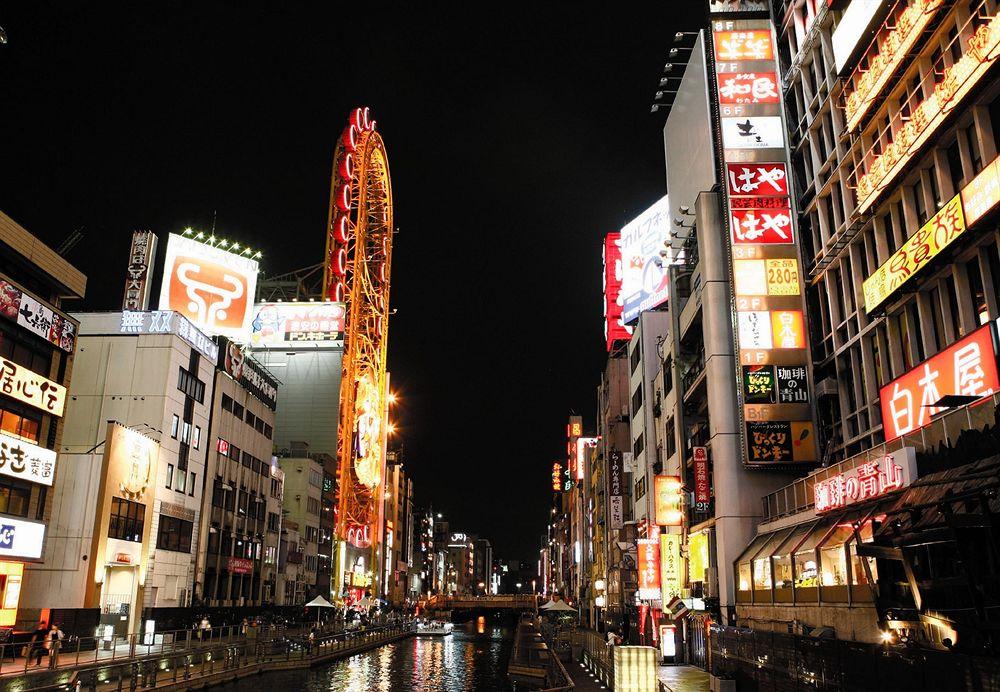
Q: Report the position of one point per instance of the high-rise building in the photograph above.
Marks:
(37, 345)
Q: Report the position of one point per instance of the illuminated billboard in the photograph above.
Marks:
(285, 324)
(645, 279)
(769, 321)
(649, 568)
(668, 493)
(967, 369)
(28, 387)
(211, 286)
(615, 330)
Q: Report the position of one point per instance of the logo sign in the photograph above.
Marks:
(743, 45)
(671, 566)
(236, 363)
(210, 286)
(223, 447)
(792, 384)
(966, 368)
(283, 324)
(645, 280)
(757, 179)
(669, 497)
(239, 565)
(702, 485)
(747, 88)
(21, 538)
(28, 387)
(36, 317)
(762, 226)
(982, 193)
(24, 460)
(770, 442)
(915, 254)
(615, 330)
(359, 535)
(137, 280)
(167, 322)
(867, 481)
(758, 384)
(753, 132)
(649, 568)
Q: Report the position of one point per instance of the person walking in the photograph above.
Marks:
(36, 648)
(205, 629)
(53, 642)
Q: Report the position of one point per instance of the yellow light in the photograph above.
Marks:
(391, 428)
(392, 397)
(887, 636)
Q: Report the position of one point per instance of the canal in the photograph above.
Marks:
(474, 657)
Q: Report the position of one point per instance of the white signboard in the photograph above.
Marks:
(169, 322)
(645, 280)
(28, 387)
(284, 324)
(753, 132)
(21, 538)
(617, 512)
(852, 27)
(21, 459)
(212, 287)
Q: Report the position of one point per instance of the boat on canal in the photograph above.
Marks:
(434, 628)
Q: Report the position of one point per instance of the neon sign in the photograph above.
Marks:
(868, 481)
(668, 496)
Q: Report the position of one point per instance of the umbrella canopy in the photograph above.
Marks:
(546, 606)
(560, 606)
(319, 602)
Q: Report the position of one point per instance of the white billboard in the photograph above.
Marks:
(753, 132)
(284, 324)
(212, 287)
(21, 538)
(853, 26)
(645, 279)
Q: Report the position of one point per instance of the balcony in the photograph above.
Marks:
(694, 372)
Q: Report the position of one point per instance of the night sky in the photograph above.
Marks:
(516, 141)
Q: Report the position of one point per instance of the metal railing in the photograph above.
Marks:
(89, 652)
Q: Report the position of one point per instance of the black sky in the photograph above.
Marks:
(517, 137)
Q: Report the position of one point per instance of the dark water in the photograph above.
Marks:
(474, 658)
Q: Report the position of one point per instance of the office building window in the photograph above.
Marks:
(273, 521)
(127, 520)
(227, 403)
(174, 534)
(14, 497)
(170, 474)
(196, 439)
(181, 482)
(190, 385)
(20, 425)
(191, 485)
(174, 423)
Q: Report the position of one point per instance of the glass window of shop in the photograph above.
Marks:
(743, 567)
(833, 566)
(14, 421)
(782, 559)
(805, 563)
(762, 570)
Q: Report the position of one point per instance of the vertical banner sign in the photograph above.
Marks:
(616, 491)
(671, 566)
(140, 266)
(649, 569)
(668, 498)
(615, 331)
(702, 485)
(770, 326)
(574, 431)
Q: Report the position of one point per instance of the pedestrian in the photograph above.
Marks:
(36, 648)
(53, 641)
(243, 627)
(205, 629)
(611, 638)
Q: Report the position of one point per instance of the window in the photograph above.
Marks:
(638, 446)
(218, 494)
(170, 474)
(174, 534)
(635, 358)
(312, 505)
(181, 482)
(238, 410)
(227, 403)
(19, 349)
(250, 419)
(191, 485)
(190, 385)
(311, 533)
(185, 432)
(196, 440)
(174, 422)
(977, 291)
(315, 478)
(14, 497)
(668, 375)
(640, 488)
(669, 439)
(127, 520)
(268, 431)
(20, 425)
(276, 488)
(636, 400)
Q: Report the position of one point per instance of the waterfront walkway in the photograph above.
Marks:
(682, 679)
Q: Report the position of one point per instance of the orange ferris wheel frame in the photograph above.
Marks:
(356, 272)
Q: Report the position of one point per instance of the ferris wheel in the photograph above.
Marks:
(356, 272)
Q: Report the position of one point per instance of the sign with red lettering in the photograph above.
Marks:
(966, 368)
(870, 480)
(744, 88)
(649, 568)
(756, 179)
(239, 565)
(762, 226)
(615, 330)
(702, 486)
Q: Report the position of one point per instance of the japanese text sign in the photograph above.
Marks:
(762, 226)
(614, 327)
(915, 254)
(671, 566)
(747, 87)
(867, 481)
(20, 459)
(36, 317)
(556, 477)
(702, 484)
(140, 266)
(966, 368)
(283, 324)
(743, 45)
(756, 179)
(780, 441)
(17, 382)
(649, 568)
(982, 193)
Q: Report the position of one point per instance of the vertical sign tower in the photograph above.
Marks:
(769, 303)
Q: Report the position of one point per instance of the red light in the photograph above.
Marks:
(350, 138)
(339, 292)
(346, 167)
(340, 262)
(340, 229)
(344, 197)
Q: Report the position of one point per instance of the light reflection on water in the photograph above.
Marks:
(467, 660)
